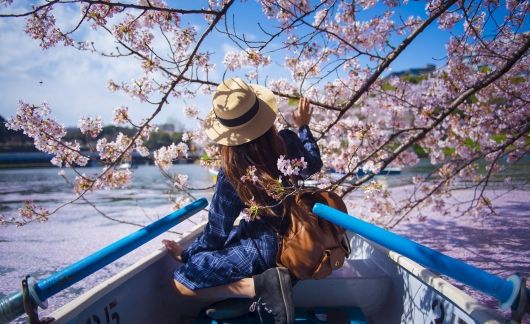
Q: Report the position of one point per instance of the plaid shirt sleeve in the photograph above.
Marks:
(224, 209)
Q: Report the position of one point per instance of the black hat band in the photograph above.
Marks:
(246, 117)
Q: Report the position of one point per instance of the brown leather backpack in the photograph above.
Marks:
(312, 247)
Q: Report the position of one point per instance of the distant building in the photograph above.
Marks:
(170, 128)
(415, 71)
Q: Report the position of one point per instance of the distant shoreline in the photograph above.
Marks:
(20, 160)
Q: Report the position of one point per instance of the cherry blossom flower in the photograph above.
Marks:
(90, 126)
(250, 175)
(112, 178)
(30, 211)
(47, 134)
(181, 202)
(191, 111)
(180, 181)
(291, 167)
(165, 156)
(121, 116)
(232, 61)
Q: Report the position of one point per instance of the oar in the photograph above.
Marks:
(506, 291)
(12, 306)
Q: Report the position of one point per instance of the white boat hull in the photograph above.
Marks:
(386, 286)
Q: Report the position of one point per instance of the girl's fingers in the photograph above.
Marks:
(304, 104)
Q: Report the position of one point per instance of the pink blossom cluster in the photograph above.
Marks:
(47, 134)
(249, 57)
(113, 150)
(140, 88)
(109, 178)
(165, 155)
(449, 19)
(41, 26)
(30, 211)
(284, 10)
(99, 14)
(90, 126)
(250, 175)
(290, 167)
(180, 202)
(203, 61)
(121, 116)
(301, 69)
(191, 112)
(182, 39)
(164, 20)
(212, 159)
(180, 181)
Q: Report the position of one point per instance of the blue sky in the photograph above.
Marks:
(75, 84)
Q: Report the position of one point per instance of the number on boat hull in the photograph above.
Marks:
(110, 315)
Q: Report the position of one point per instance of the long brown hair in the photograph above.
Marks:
(263, 153)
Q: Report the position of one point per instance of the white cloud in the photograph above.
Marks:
(73, 82)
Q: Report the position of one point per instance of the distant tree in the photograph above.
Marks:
(14, 140)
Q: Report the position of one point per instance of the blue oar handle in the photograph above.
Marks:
(12, 305)
(506, 291)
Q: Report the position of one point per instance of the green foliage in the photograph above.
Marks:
(449, 151)
(518, 79)
(161, 138)
(11, 141)
(472, 99)
(415, 79)
(293, 101)
(499, 138)
(484, 69)
(472, 144)
(420, 151)
(387, 87)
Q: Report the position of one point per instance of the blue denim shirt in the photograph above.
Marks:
(226, 206)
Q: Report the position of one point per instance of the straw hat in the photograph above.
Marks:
(241, 112)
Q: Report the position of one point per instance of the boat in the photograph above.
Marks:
(376, 284)
(126, 166)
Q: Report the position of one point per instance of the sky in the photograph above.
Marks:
(75, 83)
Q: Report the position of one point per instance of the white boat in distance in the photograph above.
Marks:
(375, 285)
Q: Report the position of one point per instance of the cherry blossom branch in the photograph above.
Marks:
(110, 5)
(454, 105)
(387, 61)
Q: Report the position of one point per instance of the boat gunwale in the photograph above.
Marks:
(75, 306)
(448, 291)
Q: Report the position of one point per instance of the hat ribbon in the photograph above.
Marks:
(241, 119)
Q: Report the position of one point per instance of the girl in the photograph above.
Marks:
(239, 261)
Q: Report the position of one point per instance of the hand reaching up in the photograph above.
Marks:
(302, 116)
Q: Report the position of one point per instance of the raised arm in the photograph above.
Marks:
(303, 145)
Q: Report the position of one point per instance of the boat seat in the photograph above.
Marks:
(332, 315)
(359, 283)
